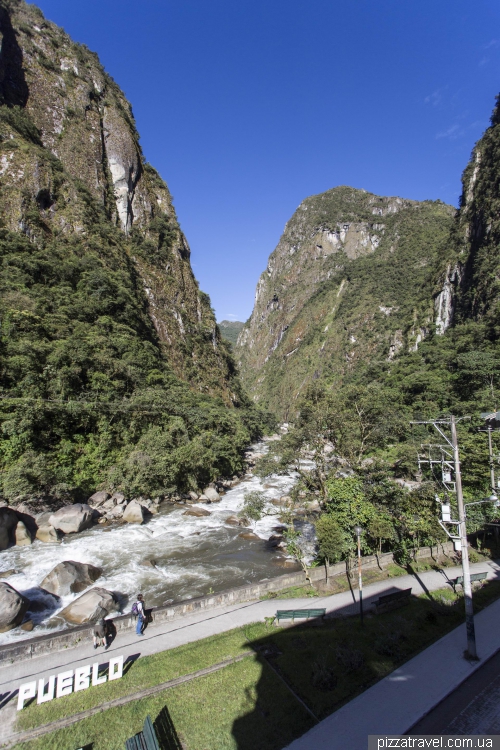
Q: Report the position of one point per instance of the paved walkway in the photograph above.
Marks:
(201, 625)
(396, 703)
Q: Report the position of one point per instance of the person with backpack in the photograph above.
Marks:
(139, 611)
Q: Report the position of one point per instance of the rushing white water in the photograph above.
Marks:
(193, 556)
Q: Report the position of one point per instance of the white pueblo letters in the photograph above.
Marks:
(68, 682)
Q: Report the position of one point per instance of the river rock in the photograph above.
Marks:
(70, 577)
(98, 499)
(232, 521)
(197, 512)
(193, 495)
(42, 519)
(212, 495)
(134, 512)
(23, 536)
(72, 518)
(8, 573)
(116, 513)
(119, 498)
(8, 523)
(248, 535)
(88, 607)
(48, 534)
(13, 607)
(28, 626)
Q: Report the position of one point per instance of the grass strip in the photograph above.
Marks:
(241, 707)
(146, 672)
(61, 723)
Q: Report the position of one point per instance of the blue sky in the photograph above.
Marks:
(246, 107)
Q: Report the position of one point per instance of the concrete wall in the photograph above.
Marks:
(71, 637)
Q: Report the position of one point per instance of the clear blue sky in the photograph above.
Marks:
(248, 106)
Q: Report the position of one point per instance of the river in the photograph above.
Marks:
(193, 556)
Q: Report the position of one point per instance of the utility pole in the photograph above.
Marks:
(467, 586)
(446, 464)
(359, 531)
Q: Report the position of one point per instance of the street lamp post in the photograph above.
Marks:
(359, 531)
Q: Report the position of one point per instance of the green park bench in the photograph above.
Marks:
(145, 740)
(296, 614)
(392, 601)
(474, 577)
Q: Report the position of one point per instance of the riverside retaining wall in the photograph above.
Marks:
(30, 648)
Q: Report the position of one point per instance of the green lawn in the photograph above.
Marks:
(246, 705)
(145, 672)
(243, 707)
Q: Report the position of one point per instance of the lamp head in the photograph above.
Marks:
(358, 530)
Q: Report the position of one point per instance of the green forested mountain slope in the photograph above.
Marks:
(230, 330)
(112, 369)
(352, 281)
(411, 331)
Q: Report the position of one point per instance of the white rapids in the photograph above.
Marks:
(193, 556)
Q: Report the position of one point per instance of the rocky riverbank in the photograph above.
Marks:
(170, 548)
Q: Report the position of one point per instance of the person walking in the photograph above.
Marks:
(141, 614)
(100, 631)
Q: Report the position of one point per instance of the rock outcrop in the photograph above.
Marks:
(72, 518)
(8, 523)
(48, 534)
(23, 535)
(89, 606)
(197, 512)
(348, 278)
(70, 577)
(13, 607)
(134, 512)
(211, 495)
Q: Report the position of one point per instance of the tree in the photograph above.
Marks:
(381, 528)
(255, 506)
(331, 540)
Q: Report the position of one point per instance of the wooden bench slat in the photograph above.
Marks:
(474, 577)
(403, 594)
(292, 614)
(150, 735)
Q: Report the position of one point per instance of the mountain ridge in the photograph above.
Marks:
(114, 373)
(305, 291)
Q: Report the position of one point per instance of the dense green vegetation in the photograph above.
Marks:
(112, 372)
(355, 416)
(88, 398)
(230, 330)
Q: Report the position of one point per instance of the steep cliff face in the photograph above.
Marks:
(477, 232)
(69, 143)
(352, 280)
(112, 369)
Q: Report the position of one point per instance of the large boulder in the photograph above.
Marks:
(197, 512)
(8, 523)
(72, 518)
(48, 534)
(97, 499)
(134, 512)
(23, 535)
(88, 607)
(13, 607)
(70, 577)
(212, 495)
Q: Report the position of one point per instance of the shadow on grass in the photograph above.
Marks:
(165, 731)
(310, 669)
